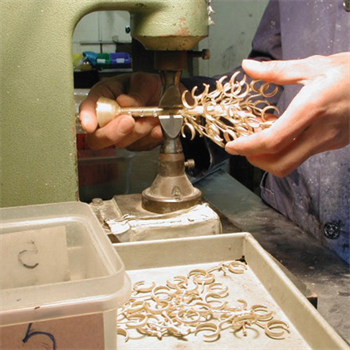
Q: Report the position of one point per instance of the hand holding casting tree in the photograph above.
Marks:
(317, 120)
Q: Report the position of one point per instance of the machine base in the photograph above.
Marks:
(124, 220)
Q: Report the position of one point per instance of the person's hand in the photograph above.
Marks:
(317, 120)
(129, 90)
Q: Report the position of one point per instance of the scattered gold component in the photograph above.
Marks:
(123, 332)
(209, 326)
(237, 267)
(276, 324)
(192, 304)
(138, 287)
(141, 319)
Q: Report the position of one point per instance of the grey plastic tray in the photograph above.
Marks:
(263, 283)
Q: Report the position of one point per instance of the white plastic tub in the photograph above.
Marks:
(61, 280)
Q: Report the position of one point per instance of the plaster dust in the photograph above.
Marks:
(196, 221)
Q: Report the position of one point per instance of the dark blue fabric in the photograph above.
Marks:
(318, 192)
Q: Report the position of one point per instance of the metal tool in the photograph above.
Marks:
(171, 189)
(236, 108)
(41, 106)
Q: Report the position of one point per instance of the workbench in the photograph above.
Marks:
(321, 271)
(320, 274)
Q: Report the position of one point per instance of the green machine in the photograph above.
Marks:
(38, 158)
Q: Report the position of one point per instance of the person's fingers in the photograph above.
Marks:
(317, 119)
(87, 116)
(139, 89)
(87, 109)
(284, 72)
(118, 129)
(122, 132)
(312, 141)
(148, 142)
(288, 159)
(157, 133)
(284, 130)
(143, 128)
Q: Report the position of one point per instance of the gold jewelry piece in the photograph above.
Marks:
(123, 332)
(234, 109)
(209, 326)
(276, 324)
(192, 304)
(145, 289)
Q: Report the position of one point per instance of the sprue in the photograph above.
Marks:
(235, 108)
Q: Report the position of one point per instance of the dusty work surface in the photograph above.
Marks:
(261, 283)
(324, 273)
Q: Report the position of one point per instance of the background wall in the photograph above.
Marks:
(229, 40)
(101, 27)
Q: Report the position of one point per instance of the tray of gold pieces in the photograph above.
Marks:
(215, 292)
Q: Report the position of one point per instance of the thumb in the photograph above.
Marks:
(279, 72)
(87, 115)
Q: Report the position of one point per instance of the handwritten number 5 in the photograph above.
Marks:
(30, 334)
